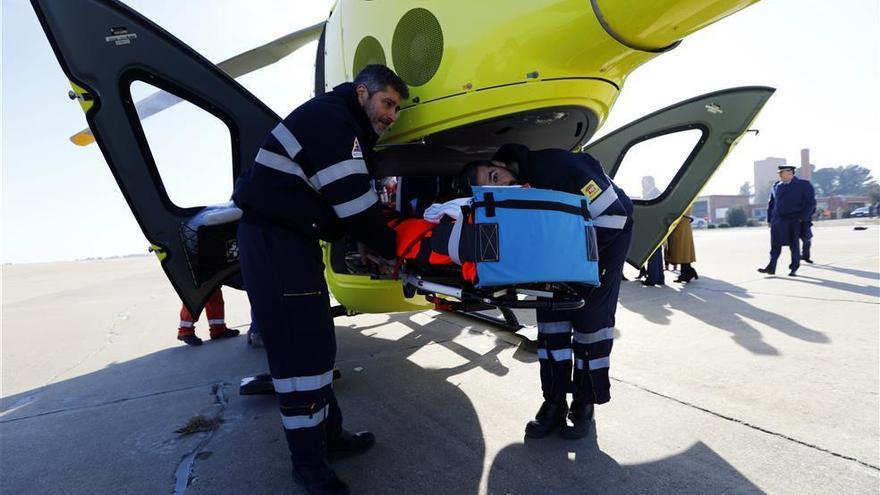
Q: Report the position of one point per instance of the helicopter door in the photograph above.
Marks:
(103, 47)
(663, 160)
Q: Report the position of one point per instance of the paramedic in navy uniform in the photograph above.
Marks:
(792, 202)
(311, 181)
(584, 335)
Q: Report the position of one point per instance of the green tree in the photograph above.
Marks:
(853, 179)
(824, 181)
(736, 217)
(874, 193)
(745, 189)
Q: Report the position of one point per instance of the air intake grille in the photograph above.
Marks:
(417, 47)
(369, 51)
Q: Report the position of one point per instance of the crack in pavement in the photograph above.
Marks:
(749, 425)
(107, 403)
(112, 332)
(183, 475)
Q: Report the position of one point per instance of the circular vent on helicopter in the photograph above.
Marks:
(417, 47)
(369, 51)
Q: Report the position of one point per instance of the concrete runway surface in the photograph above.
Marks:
(734, 383)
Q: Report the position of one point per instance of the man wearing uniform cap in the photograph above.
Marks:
(792, 202)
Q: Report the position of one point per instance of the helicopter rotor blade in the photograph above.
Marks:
(239, 65)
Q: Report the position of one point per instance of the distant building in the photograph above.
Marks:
(713, 208)
(765, 176)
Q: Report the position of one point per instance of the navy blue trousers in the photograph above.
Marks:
(785, 232)
(284, 276)
(574, 347)
(807, 239)
(656, 268)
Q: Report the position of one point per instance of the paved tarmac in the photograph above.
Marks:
(734, 383)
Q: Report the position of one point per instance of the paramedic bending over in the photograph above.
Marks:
(585, 334)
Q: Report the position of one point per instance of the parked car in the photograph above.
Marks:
(864, 211)
(699, 223)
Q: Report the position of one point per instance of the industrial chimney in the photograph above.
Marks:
(806, 169)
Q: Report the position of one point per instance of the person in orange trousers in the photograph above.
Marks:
(214, 308)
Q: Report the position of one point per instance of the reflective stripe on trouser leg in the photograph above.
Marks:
(554, 354)
(284, 277)
(186, 325)
(594, 324)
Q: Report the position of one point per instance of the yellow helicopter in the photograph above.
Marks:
(544, 73)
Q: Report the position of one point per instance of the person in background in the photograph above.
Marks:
(806, 233)
(681, 248)
(214, 309)
(653, 274)
(792, 202)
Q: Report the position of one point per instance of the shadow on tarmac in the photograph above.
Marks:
(718, 304)
(865, 290)
(556, 465)
(875, 276)
(429, 436)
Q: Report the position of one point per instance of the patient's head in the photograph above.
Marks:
(488, 173)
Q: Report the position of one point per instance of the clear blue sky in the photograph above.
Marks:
(60, 202)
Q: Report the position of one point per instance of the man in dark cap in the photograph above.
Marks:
(584, 335)
(792, 202)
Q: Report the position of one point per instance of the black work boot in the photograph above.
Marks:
(190, 339)
(550, 417)
(347, 443)
(580, 415)
(318, 479)
(225, 333)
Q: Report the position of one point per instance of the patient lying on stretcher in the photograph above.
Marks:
(495, 246)
(424, 243)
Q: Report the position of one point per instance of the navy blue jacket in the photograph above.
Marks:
(311, 174)
(793, 201)
(576, 173)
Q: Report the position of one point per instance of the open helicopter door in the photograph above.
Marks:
(103, 47)
(704, 129)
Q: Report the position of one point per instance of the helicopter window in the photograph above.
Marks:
(191, 150)
(649, 167)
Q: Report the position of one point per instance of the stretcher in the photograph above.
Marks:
(509, 247)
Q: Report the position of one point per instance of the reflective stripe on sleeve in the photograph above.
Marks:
(281, 164)
(356, 205)
(610, 221)
(297, 422)
(606, 333)
(286, 138)
(302, 383)
(599, 363)
(338, 171)
(561, 354)
(554, 327)
(542, 353)
(606, 199)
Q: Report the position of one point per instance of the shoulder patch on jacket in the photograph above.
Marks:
(356, 149)
(591, 190)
